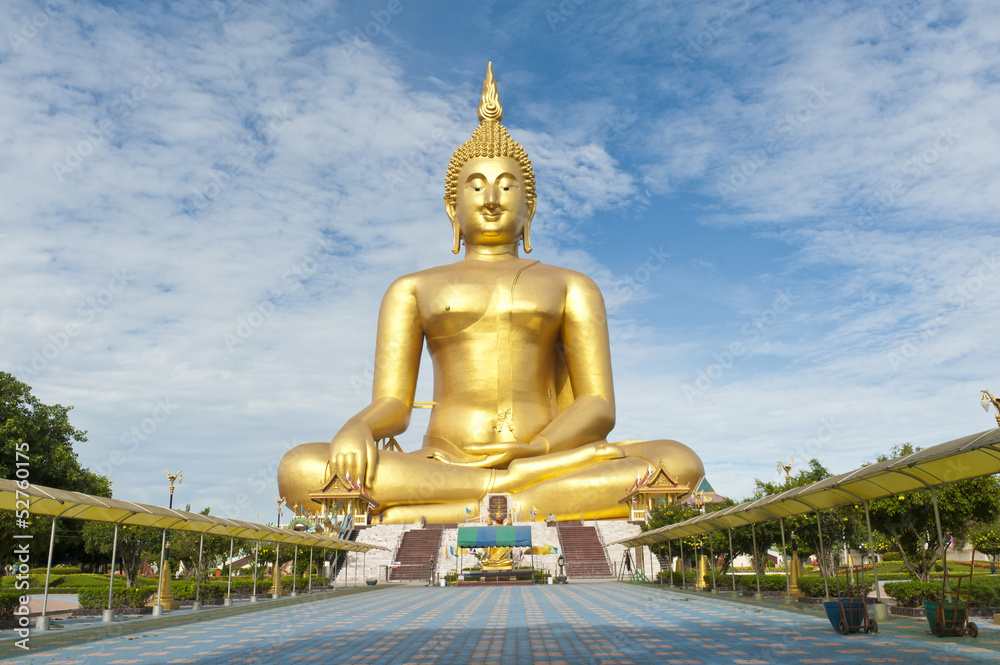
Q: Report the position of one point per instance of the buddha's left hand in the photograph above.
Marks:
(499, 455)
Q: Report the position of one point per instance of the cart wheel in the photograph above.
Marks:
(972, 629)
(939, 629)
(872, 626)
(842, 627)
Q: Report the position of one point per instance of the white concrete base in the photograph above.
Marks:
(157, 610)
(107, 616)
(228, 602)
(881, 612)
(195, 606)
(253, 599)
(42, 624)
(758, 596)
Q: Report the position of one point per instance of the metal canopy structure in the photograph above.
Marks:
(962, 459)
(75, 505)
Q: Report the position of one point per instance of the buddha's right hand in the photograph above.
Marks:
(354, 454)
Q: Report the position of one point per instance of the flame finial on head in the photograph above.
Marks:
(489, 106)
(490, 139)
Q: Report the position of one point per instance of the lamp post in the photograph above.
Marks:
(164, 598)
(701, 567)
(787, 468)
(561, 561)
(796, 569)
(276, 585)
(430, 572)
(988, 399)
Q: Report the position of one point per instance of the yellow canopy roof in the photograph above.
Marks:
(969, 457)
(61, 503)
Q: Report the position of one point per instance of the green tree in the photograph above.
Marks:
(840, 526)
(134, 543)
(184, 547)
(717, 542)
(986, 539)
(907, 520)
(42, 437)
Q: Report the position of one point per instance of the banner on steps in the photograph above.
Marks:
(494, 536)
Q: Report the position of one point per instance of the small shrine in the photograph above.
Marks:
(343, 497)
(648, 492)
(704, 495)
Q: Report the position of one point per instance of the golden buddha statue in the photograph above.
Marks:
(523, 395)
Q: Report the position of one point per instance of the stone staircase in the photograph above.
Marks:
(341, 560)
(358, 566)
(415, 552)
(583, 550)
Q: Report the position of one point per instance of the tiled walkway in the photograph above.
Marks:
(606, 623)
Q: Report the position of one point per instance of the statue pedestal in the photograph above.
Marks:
(276, 591)
(700, 583)
(164, 597)
(796, 572)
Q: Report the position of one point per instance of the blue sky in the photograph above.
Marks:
(790, 207)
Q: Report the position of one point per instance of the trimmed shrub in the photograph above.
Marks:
(985, 592)
(770, 582)
(34, 582)
(90, 580)
(56, 570)
(246, 587)
(184, 590)
(8, 603)
(94, 598)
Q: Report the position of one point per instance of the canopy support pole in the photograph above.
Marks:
(197, 589)
(114, 555)
(670, 565)
(756, 562)
(711, 550)
(940, 535)
(784, 560)
(309, 586)
(822, 556)
(871, 554)
(683, 581)
(42, 624)
(732, 561)
(159, 586)
(229, 584)
(256, 552)
(295, 568)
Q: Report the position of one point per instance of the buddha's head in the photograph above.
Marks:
(490, 187)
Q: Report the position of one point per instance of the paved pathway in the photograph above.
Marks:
(603, 623)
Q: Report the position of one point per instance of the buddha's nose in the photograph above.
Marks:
(492, 197)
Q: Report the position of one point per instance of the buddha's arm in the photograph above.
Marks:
(397, 360)
(591, 416)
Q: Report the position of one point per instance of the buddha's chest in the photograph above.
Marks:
(478, 304)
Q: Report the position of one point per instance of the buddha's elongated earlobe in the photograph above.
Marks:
(456, 230)
(529, 214)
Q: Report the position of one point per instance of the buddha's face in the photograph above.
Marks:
(491, 207)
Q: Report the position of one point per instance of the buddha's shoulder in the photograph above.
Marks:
(460, 271)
